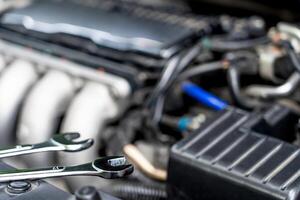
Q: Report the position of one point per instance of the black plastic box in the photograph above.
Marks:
(226, 160)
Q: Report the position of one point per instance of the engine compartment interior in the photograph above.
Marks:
(172, 99)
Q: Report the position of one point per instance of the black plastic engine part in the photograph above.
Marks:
(283, 67)
(106, 32)
(226, 160)
(277, 121)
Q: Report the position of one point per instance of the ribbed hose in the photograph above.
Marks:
(131, 191)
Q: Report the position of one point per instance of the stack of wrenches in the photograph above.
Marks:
(109, 167)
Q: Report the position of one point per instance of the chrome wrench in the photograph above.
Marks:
(110, 167)
(60, 142)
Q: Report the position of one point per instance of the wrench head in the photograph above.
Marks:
(66, 140)
(112, 167)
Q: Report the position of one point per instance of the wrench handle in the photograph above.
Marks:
(42, 173)
(27, 149)
(29, 174)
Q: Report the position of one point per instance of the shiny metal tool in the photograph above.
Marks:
(60, 142)
(110, 167)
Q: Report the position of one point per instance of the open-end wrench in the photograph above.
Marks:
(110, 167)
(59, 142)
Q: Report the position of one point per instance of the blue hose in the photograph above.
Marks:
(203, 96)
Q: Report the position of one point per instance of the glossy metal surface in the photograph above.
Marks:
(106, 167)
(271, 92)
(60, 142)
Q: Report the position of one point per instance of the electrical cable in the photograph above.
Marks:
(184, 62)
(187, 59)
(175, 66)
(166, 75)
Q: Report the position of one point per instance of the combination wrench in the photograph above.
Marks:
(59, 142)
(109, 167)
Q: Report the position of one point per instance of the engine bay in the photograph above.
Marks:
(171, 99)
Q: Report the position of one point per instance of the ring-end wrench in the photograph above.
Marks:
(112, 167)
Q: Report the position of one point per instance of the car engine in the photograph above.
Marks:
(149, 100)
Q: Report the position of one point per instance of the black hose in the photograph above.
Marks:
(169, 70)
(241, 63)
(201, 69)
(194, 71)
(219, 44)
(158, 109)
(175, 66)
(131, 191)
(186, 60)
(233, 76)
(170, 75)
